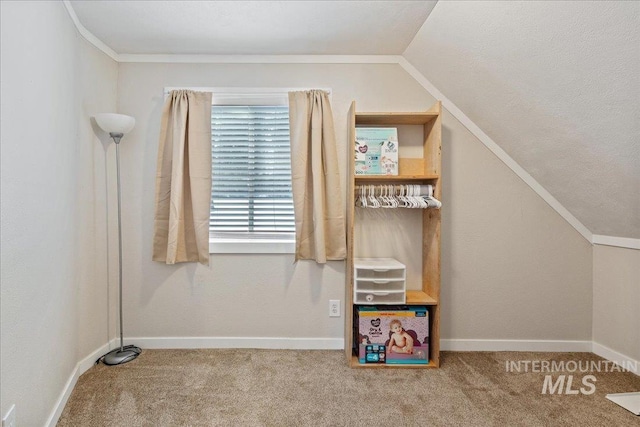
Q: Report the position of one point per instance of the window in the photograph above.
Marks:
(251, 201)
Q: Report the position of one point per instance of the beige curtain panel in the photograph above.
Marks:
(317, 197)
(183, 180)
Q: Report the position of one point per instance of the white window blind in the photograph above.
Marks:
(251, 172)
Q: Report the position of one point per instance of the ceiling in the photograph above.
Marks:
(555, 84)
(254, 27)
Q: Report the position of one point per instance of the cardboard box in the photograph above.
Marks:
(376, 151)
(403, 330)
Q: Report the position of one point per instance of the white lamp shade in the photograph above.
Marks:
(115, 123)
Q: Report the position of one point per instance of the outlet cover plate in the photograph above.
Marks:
(334, 308)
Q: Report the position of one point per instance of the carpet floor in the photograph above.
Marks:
(239, 387)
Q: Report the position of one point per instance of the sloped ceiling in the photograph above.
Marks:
(557, 86)
(254, 27)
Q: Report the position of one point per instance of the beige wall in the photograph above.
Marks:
(54, 290)
(238, 295)
(616, 298)
(512, 268)
(96, 229)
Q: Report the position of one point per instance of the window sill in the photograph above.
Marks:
(239, 246)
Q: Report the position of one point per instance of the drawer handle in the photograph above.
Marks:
(380, 270)
(380, 293)
(381, 281)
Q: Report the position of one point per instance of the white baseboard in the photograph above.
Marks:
(238, 342)
(81, 368)
(338, 344)
(515, 345)
(618, 358)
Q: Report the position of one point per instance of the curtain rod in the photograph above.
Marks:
(244, 90)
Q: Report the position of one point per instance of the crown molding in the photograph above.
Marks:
(620, 242)
(88, 35)
(262, 59)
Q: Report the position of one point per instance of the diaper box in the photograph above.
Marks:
(376, 151)
(392, 334)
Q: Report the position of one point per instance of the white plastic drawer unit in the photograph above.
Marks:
(379, 281)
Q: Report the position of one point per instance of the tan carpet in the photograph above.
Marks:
(316, 388)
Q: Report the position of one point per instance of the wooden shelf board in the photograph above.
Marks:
(419, 297)
(356, 364)
(361, 178)
(419, 118)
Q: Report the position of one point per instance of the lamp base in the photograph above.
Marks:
(120, 356)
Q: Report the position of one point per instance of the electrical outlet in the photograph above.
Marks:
(334, 308)
(9, 419)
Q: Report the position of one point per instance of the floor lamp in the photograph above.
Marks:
(117, 125)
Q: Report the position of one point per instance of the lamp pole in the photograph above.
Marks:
(123, 354)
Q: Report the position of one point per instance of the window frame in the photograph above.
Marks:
(249, 96)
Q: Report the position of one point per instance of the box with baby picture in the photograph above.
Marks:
(403, 332)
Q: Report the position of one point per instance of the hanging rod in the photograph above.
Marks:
(396, 196)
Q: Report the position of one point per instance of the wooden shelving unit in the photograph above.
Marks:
(411, 171)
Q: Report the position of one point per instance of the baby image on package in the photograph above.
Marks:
(402, 331)
(376, 151)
